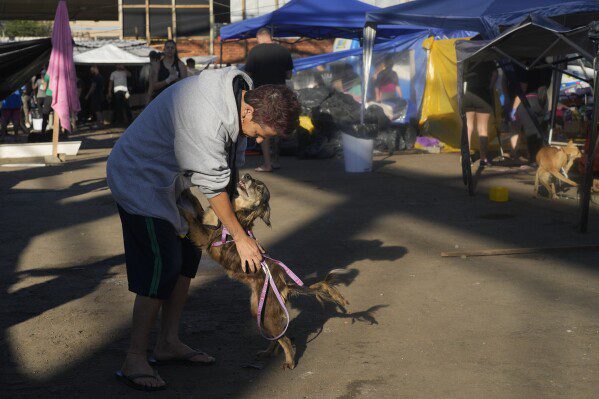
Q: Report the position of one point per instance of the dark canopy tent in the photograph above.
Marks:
(528, 45)
(316, 19)
(19, 61)
(485, 16)
(44, 10)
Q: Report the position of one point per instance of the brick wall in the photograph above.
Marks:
(235, 51)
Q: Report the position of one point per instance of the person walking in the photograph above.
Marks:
(181, 140)
(268, 63)
(118, 92)
(169, 70)
(11, 111)
(478, 105)
(47, 102)
(95, 95)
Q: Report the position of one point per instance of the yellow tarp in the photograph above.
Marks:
(440, 116)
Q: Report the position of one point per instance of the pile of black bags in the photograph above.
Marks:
(333, 113)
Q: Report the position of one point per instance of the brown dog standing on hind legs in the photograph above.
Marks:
(552, 161)
(252, 204)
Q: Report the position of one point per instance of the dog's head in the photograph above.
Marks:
(250, 204)
(252, 200)
(572, 150)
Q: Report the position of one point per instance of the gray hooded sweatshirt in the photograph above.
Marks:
(180, 140)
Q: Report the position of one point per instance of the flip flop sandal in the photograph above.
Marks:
(129, 381)
(261, 169)
(184, 361)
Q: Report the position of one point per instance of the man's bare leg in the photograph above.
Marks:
(145, 311)
(169, 345)
(267, 165)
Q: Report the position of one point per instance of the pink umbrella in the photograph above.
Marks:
(63, 79)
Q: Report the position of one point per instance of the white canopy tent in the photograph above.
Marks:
(109, 54)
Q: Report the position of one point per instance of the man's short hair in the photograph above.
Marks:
(264, 32)
(191, 62)
(275, 106)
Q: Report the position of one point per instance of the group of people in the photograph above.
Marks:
(479, 104)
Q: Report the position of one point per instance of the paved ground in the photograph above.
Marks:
(419, 326)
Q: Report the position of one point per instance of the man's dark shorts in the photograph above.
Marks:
(155, 255)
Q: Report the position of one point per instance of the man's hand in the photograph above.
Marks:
(250, 253)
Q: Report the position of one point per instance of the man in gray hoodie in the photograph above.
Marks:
(185, 137)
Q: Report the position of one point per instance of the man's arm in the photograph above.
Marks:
(91, 90)
(247, 247)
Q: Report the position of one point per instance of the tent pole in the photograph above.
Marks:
(555, 86)
(465, 144)
(585, 197)
(55, 132)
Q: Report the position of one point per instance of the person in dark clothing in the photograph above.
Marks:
(268, 63)
(95, 95)
(478, 104)
(534, 84)
(168, 71)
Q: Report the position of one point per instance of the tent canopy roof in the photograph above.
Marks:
(307, 18)
(45, 10)
(109, 54)
(485, 16)
(532, 40)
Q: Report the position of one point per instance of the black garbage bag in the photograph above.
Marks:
(342, 108)
(386, 141)
(409, 137)
(375, 114)
(367, 131)
(312, 98)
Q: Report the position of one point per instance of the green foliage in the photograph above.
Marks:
(25, 28)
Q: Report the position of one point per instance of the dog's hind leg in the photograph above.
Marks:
(289, 350)
(272, 350)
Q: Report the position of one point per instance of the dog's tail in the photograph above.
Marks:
(324, 291)
(562, 178)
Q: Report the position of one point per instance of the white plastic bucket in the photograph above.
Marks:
(357, 154)
(37, 123)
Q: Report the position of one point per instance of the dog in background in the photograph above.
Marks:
(555, 162)
(252, 204)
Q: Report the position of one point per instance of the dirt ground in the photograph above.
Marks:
(419, 325)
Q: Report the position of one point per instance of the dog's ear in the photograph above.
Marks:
(266, 215)
(210, 219)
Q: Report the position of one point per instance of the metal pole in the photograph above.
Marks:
(555, 86)
(211, 4)
(585, 196)
(148, 37)
(173, 21)
(465, 144)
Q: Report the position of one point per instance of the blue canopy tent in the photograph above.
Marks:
(316, 19)
(413, 90)
(484, 16)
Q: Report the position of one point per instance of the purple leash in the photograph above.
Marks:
(268, 280)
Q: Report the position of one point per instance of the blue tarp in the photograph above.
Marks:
(484, 16)
(412, 41)
(313, 18)
(309, 18)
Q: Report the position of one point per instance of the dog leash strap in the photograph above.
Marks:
(223, 238)
(291, 274)
(269, 280)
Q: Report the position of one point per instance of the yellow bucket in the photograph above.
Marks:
(499, 194)
(306, 123)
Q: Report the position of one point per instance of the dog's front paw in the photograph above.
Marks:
(288, 365)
